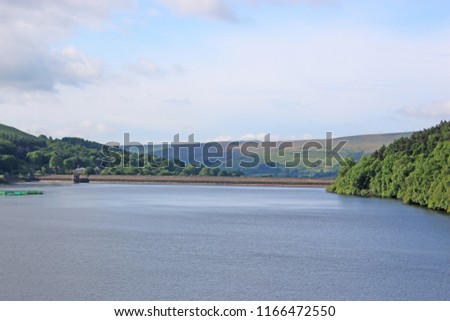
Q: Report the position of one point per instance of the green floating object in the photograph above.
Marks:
(20, 193)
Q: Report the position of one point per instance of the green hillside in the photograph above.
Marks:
(275, 165)
(22, 154)
(368, 144)
(415, 170)
(355, 147)
(7, 131)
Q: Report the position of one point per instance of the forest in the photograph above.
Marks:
(24, 156)
(415, 170)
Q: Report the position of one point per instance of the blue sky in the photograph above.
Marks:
(223, 69)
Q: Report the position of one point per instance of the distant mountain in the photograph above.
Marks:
(355, 147)
(25, 154)
(368, 144)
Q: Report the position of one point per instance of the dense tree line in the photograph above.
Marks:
(415, 170)
(25, 156)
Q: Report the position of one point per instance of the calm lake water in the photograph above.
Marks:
(176, 242)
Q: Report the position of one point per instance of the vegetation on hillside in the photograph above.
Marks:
(278, 163)
(24, 156)
(415, 170)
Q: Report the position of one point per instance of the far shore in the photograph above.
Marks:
(196, 180)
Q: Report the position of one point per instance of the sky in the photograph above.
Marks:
(223, 69)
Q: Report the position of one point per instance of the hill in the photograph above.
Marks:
(25, 154)
(415, 170)
(7, 131)
(277, 163)
(355, 147)
(367, 144)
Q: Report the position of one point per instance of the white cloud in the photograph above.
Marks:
(259, 137)
(220, 138)
(102, 128)
(178, 69)
(178, 102)
(433, 110)
(223, 9)
(36, 68)
(212, 8)
(86, 129)
(72, 67)
(145, 67)
(29, 29)
(287, 2)
(291, 76)
(86, 123)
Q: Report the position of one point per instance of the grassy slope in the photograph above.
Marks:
(356, 147)
(7, 130)
(366, 144)
(370, 143)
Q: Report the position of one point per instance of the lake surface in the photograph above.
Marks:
(178, 242)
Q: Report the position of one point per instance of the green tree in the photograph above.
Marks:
(55, 163)
(415, 169)
(6, 147)
(8, 163)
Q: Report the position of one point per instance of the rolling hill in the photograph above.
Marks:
(24, 153)
(14, 132)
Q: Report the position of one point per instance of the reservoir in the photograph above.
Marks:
(183, 242)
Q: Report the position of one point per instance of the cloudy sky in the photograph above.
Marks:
(223, 69)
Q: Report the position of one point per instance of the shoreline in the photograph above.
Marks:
(196, 180)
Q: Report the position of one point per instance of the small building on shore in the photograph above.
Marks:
(79, 176)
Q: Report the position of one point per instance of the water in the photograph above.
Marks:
(174, 242)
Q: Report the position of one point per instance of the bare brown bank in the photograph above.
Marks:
(197, 180)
